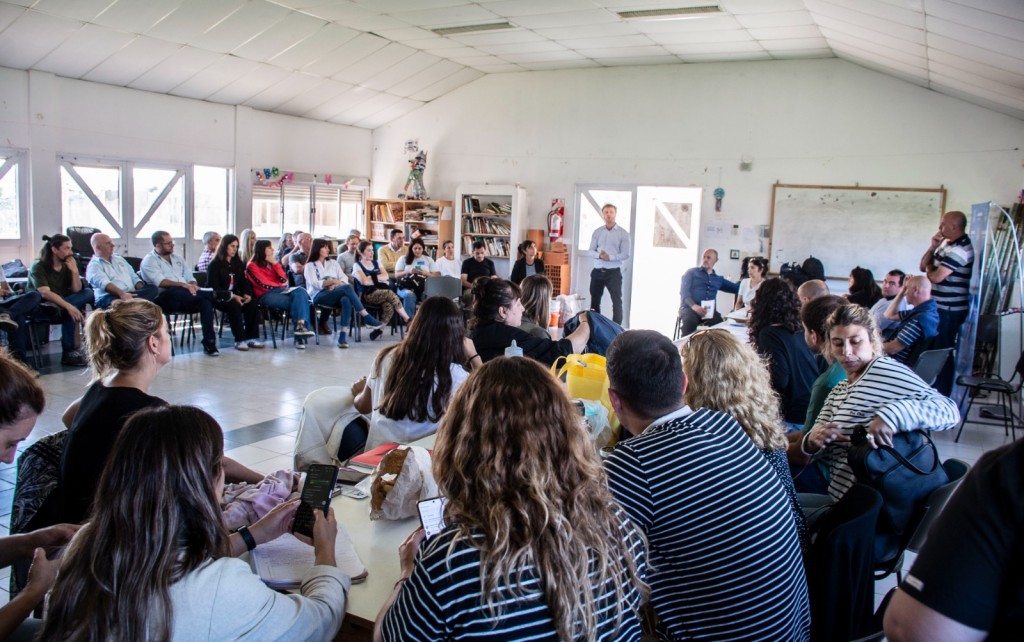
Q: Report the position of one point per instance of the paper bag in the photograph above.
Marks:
(413, 482)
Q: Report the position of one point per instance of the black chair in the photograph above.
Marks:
(1006, 392)
(266, 314)
(929, 364)
(134, 261)
(446, 286)
(839, 565)
(316, 309)
(956, 470)
(40, 320)
(81, 244)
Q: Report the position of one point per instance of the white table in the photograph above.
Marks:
(738, 330)
(377, 544)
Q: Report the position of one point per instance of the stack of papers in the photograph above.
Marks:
(282, 563)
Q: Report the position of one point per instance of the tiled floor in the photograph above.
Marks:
(257, 398)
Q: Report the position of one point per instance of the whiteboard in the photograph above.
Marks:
(879, 228)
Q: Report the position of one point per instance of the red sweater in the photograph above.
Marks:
(265, 279)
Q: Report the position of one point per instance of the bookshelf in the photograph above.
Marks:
(494, 214)
(433, 219)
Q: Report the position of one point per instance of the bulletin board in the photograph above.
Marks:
(879, 228)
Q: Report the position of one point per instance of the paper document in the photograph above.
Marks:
(708, 305)
(283, 562)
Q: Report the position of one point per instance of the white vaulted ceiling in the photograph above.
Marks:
(366, 62)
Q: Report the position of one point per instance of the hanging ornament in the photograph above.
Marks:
(719, 194)
(266, 173)
(273, 170)
(328, 179)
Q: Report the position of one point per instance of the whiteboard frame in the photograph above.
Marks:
(941, 191)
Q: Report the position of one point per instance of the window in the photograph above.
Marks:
(131, 200)
(159, 201)
(10, 195)
(91, 197)
(323, 210)
(212, 200)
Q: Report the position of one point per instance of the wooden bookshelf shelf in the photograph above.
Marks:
(433, 219)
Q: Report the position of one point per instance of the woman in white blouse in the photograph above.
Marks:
(757, 267)
(412, 270)
(329, 287)
(447, 265)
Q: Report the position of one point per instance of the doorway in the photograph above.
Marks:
(664, 225)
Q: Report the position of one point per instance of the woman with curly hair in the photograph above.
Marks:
(777, 335)
(863, 289)
(713, 356)
(535, 545)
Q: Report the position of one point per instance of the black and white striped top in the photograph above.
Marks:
(442, 599)
(953, 292)
(724, 552)
(886, 389)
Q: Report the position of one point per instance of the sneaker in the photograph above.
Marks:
(299, 345)
(376, 334)
(255, 344)
(75, 359)
(342, 341)
(211, 349)
(324, 329)
(7, 323)
(372, 321)
(302, 331)
(240, 345)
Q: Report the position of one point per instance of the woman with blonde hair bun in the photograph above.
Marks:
(127, 344)
(536, 305)
(535, 545)
(725, 374)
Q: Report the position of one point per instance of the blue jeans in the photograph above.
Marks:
(337, 297)
(17, 307)
(296, 303)
(408, 298)
(79, 299)
(147, 292)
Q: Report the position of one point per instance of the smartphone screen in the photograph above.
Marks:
(432, 515)
(316, 495)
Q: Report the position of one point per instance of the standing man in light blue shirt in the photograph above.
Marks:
(111, 277)
(610, 246)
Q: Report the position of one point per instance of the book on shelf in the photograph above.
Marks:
(377, 230)
(383, 212)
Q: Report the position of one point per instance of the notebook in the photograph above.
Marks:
(368, 461)
(282, 563)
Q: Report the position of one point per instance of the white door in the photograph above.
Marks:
(590, 199)
(664, 246)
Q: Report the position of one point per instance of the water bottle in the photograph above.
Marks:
(231, 282)
(513, 350)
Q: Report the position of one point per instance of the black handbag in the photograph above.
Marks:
(904, 474)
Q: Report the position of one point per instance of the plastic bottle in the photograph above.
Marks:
(513, 350)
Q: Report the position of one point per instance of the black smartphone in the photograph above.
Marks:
(316, 494)
(432, 514)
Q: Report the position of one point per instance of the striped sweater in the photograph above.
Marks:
(886, 389)
(723, 546)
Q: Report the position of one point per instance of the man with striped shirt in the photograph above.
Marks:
(948, 262)
(917, 326)
(723, 542)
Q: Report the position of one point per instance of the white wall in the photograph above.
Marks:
(811, 122)
(52, 116)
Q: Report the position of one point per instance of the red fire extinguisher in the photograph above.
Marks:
(556, 218)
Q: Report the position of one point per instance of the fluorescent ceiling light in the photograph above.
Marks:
(679, 13)
(491, 26)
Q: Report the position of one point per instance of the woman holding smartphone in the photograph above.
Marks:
(535, 546)
(155, 561)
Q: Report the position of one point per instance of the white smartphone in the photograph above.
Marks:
(432, 514)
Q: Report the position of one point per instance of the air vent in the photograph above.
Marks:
(491, 26)
(668, 14)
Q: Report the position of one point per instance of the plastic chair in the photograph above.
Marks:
(1005, 390)
(446, 286)
(930, 362)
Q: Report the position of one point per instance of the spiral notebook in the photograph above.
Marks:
(282, 563)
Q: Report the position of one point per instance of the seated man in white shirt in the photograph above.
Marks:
(111, 277)
(891, 285)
